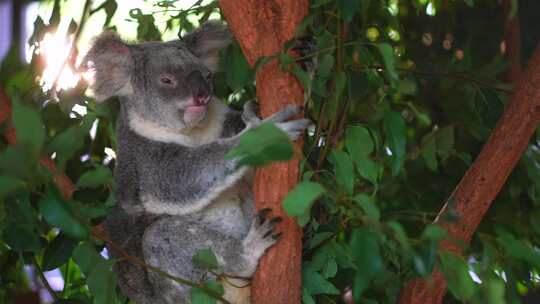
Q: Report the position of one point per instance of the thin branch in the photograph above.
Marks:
(141, 263)
(54, 295)
(66, 278)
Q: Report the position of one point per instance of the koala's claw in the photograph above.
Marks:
(262, 214)
(276, 220)
(277, 236)
(262, 234)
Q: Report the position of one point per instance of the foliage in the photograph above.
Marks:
(403, 96)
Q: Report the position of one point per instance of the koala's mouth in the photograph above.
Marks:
(193, 113)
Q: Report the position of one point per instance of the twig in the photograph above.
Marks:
(141, 263)
(44, 279)
(66, 278)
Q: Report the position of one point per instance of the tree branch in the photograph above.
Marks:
(485, 178)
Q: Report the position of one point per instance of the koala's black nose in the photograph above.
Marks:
(200, 88)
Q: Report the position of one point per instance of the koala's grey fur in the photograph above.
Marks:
(176, 193)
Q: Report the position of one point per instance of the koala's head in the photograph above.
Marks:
(168, 83)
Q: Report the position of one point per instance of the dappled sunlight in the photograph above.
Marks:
(55, 49)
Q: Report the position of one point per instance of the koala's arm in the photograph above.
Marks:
(126, 184)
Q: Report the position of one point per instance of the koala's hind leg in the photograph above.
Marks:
(170, 244)
(126, 231)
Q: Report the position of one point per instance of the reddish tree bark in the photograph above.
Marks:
(261, 28)
(481, 183)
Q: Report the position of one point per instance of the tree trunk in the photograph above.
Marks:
(261, 28)
(481, 183)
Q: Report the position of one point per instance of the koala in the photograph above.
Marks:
(176, 193)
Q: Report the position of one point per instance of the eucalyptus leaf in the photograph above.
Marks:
(394, 129)
(302, 197)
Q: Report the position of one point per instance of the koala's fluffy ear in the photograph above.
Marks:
(206, 41)
(109, 63)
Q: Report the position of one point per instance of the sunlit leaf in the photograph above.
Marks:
(262, 145)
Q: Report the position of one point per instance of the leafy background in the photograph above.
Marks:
(403, 96)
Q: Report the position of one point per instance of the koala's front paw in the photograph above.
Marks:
(284, 114)
(294, 128)
(261, 234)
(249, 114)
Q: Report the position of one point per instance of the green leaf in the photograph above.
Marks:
(434, 232)
(366, 253)
(314, 283)
(348, 8)
(59, 214)
(399, 234)
(407, 87)
(445, 141)
(456, 272)
(102, 283)
(367, 168)
(302, 76)
(387, 54)
(205, 259)
(344, 170)
(198, 296)
(368, 205)
(394, 129)
(100, 176)
(28, 125)
(262, 145)
(238, 73)
(58, 252)
(306, 298)
(301, 198)
(86, 256)
(19, 162)
(67, 142)
(428, 151)
(494, 289)
(9, 184)
(358, 141)
(21, 239)
(324, 67)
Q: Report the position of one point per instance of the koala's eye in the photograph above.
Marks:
(208, 77)
(167, 80)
